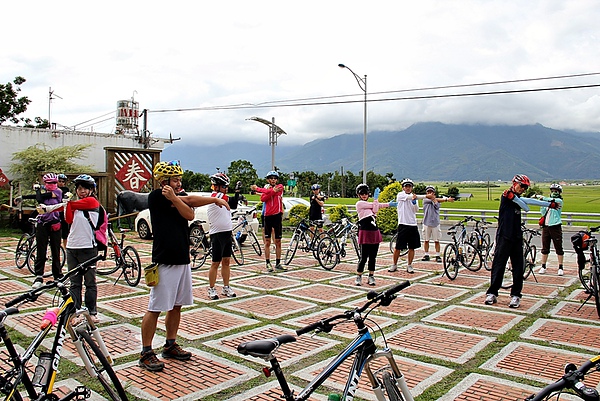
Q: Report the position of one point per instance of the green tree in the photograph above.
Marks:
(453, 191)
(30, 164)
(191, 181)
(244, 171)
(10, 104)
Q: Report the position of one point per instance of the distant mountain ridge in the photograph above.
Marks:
(423, 151)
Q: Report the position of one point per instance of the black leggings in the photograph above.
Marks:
(367, 251)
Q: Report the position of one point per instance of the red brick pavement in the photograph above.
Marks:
(436, 325)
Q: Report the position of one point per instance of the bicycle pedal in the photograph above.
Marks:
(82, 393)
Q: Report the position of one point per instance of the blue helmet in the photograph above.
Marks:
(314, 187)
(273, 174)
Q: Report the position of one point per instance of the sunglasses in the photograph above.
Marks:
(174, 163)
(525, 187)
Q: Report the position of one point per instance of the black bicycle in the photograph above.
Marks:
(386, 379)
(38, 382)
(460, 252)
(590, 277)
(572, 380)
(201, 248)
(125, 259)
(26, 251)
(303, 238)
(331, 247)
(529, 255)
(481, 240)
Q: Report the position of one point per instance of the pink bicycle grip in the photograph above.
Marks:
(50, 318)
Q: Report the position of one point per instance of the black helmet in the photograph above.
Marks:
(362, 189)
(220, 179)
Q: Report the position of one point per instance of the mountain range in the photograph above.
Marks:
(424, 151)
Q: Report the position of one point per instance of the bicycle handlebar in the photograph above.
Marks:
(571, 380)
(32, 295)
(384, 298)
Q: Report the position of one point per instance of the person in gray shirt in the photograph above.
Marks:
(431, 222)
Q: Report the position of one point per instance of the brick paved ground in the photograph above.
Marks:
(449, 345)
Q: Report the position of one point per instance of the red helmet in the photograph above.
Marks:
(522, 179)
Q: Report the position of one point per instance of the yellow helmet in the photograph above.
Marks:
(164, 170)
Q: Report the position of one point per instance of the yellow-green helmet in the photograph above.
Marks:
(164, 170)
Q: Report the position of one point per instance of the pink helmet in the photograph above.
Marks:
(50, 178)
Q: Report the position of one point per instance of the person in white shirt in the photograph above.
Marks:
(431, 222)
(408, 232)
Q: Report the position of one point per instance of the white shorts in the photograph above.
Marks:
(432, 233)
(174, 288)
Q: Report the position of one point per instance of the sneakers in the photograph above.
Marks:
(150, 362)
(438, 259)
(176, 352)
(409, 269)
(393, 268)
(212, 293)
(279, 266)
(561, 272)
(425, 258)
(542, 270)
(490, 299)
(228, 292)
(515, 302)
(358, 280)
(371, 280)
(269, 267)
(37, 283)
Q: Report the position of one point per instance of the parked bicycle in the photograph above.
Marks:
(481, 240)
(387, 381)
(24, 245)
(38, 382)
(303, 238)
(403, 252)
(201, 249)
(126, 259)
(244, 232)
(529, 255)
(572, 380)
(590, 276)
(31, 255)
(460, 252)
(331, 247)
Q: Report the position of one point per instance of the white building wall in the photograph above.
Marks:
(15, 139)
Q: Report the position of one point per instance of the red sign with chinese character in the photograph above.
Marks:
(3, 179)
(133, 175)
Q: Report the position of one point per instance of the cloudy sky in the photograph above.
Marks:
(200, 55)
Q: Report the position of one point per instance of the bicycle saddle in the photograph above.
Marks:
(264, 348)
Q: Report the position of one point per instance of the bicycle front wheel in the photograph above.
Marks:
(236, 252)
(393, 246)
(23, 247)
(32, 256)
(530, 254)
(391, 388)
(255, 243)
(291, 251)
(489, 256)
(595, 285)
(450, 261)
(198, 254)
(471, 257)
(133, 267)
(99, 366)
(328, 252)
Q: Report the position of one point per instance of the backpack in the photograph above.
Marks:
(579, 245)
(101, 228)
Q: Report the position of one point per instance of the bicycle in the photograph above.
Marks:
(387, 382)
(201, 248)
(243, 228)
(332, 246)
(39, 382)
(303, 238)
(529, 255)
(460, 252)
(126, 259)
(571, 380)
(393, 240)
(481, 240)
(24, 245)
(31, 256)
(590, 279)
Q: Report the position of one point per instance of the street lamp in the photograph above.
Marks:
(362, 83)
(274, 132)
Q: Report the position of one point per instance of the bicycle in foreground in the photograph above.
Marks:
(303, 238)
(126, 259)
(201, 249)
(387, 381)
(529, 255)
(332, 248)
(245, 230)
(589, 278)
(572, 380)
(460, 252)
(38, 382)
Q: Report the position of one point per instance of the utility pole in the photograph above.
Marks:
(50, 98)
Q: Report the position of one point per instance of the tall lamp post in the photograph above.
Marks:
(274, 132)
(362, 83)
